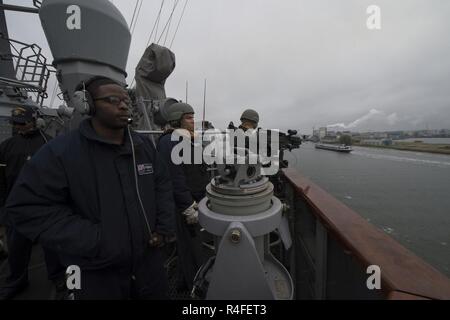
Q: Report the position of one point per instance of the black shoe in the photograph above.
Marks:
(60, 287)
(3, 255)
(3, 252)
(7, 293)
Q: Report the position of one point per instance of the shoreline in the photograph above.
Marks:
(415, 147)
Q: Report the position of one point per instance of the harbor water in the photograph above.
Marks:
(405, 194)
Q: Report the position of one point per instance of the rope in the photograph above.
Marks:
(134, 13)
(157, 20)
(175, 3)
(170, 17)
(154, 25)
(137, 17)
(178, 25)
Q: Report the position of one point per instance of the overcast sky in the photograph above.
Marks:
(300, 63)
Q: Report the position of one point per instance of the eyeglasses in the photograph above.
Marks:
(114, 100)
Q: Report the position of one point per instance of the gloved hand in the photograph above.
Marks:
(156, 240)
(191, 214)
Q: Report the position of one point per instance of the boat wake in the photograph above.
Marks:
(442, 164)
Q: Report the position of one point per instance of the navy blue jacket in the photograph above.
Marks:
(189, 184)
(189, 180)
(14, 153)
(77, 196)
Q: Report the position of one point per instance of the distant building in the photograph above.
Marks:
(380, 135)
(367, 136)
(435, 132)
(377, 142)
(315, 132)
(329, 139)
(322, 132)
(395, 135)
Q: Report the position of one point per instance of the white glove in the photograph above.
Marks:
(191, 214)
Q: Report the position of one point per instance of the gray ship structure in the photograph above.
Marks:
(281, 238)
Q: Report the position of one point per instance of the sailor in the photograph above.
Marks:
(102, 198)
(14, 153)
(189, 184)
(249, 120)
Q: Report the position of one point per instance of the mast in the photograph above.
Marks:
(6, 61)
(204, 106)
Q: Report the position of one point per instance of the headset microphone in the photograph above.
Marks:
(144, 214)
(130, 115)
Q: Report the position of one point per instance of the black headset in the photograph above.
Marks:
(82, 99)
(84, 104)
(38, 121)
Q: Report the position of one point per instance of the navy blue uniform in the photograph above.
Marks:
(78, 197)
(189, 185)
(14, 153)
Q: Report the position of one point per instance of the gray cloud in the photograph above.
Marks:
(302, 63)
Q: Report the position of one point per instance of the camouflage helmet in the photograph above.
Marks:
(250, 115)
(177, 110)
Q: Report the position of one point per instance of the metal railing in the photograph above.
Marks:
(37, 3)
(31, 68)
(333, 246)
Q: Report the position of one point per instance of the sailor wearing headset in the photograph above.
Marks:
(102, 198)
(15, 152)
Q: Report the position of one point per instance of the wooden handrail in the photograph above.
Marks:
(401, 270)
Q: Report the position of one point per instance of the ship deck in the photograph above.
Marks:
(40, 287)
(332, 248)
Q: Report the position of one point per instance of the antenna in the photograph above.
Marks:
(186, 91)
(204, 106)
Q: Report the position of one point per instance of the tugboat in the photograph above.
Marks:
(339, 148)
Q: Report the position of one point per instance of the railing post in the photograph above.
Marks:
(291, 218)
(320, 284)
